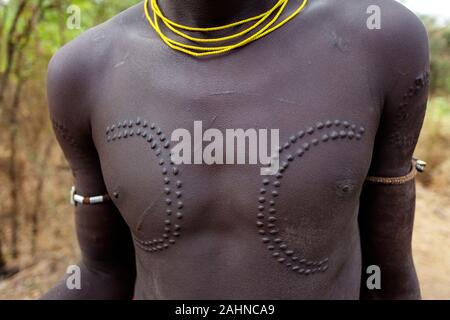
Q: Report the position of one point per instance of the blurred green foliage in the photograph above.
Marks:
(50, 31)
(439, 37)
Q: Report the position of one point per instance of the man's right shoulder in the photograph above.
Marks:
(84, 56)
(72, 73)
(83, 61)
(75, 70)
(91, 49)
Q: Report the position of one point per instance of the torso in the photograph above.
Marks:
(225, 237)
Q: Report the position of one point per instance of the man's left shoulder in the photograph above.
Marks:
(393, 37)
(387, 21)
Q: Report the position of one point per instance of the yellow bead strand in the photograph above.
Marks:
(201, 51)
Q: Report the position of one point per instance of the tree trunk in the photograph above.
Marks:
(61, 22)
(38, 200)
(10, 50)
(17, 41)
(13, 173)
(2, 256)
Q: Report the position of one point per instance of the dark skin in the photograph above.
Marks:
(325, 65)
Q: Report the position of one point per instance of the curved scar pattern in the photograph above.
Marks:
(266, 218)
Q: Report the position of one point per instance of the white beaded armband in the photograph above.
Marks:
(76, 199)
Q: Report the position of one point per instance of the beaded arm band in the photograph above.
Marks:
(76, 199)
(417, 166)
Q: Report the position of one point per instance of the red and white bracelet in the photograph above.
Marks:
(76, 199)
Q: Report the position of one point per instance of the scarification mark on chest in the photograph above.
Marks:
(172, 186)
(298, 146)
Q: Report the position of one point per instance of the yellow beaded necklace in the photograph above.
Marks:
(201, 51)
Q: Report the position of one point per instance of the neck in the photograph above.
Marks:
(210, 13)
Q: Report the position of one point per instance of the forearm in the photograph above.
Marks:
(386, 226)
(95, 284)
(107, 269)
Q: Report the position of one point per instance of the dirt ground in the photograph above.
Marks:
(431, 251)
(431, 243)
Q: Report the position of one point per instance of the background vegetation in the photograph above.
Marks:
(37, 240)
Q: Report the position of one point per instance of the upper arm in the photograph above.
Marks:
(387, 212)
(405, 58)
(103, 234)
(67, 90)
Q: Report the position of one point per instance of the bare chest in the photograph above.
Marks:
(326, 125)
